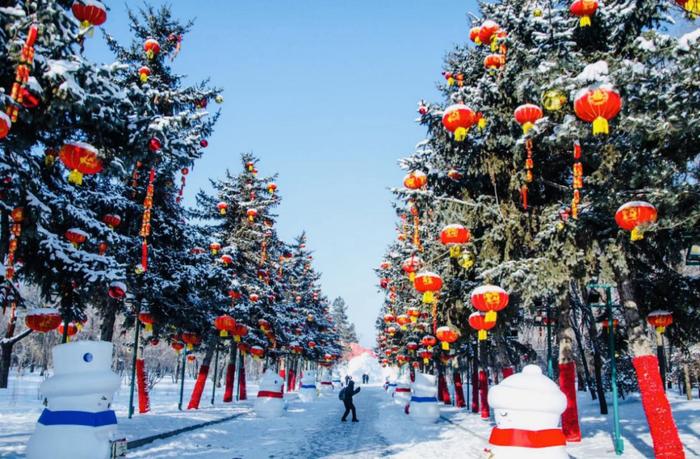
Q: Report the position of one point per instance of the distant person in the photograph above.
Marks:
(365, 378)
(347, 394)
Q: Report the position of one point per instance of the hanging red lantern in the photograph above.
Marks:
(454, 236)
(455, 175)
(191, 340)
(102, 248)
(147, 319)
(117, 290)
(634, 216)
(488, 33)
(477, 320)
(660, 320)
(112, 220)
(29, 99)
(254, 297)
(494, 61)
(43, 320)
(458, 119)
(411, 265)
(191, 358)
(177, 346)
(389, 318)
(412, 346)
(427, 283)
(252, 213)
(271, 187)
(598, 106)
(239, 331)
(76, 236)
(426, 355)
(489, 299)
(428, 341)
(391, 330)
(72, 330)
(414, 313)
(527, 115)
(312, 344)
(80, 158)
(154, 145)
(243, 347)
(384, 265)
(214, 247)
(204, 143)
(584, 9)
(5, 125)
(264, 325)
(403, 320)
(144, 73)
(446, 335)
(225, 324)
(226, 259)
(415, 180)
(151, 47)
(257, 352)
(89, 13)
(474, 35)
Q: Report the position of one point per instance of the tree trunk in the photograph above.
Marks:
(475, 381)
(688, 386)
(6, 349)
(459, 392)
(567, 374)
(242, 392)
(664, 433)
(597, 361)
(201, 379)
(109, 317)
(230, 374)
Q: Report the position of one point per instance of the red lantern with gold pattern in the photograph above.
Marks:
(144, 73)
(477, 320)
(426, 355)
(191, 340)
(527, 115)
(415, 180)
(411, 265)
(81, 159)
(214, 247)
(414, 313)
(427, 283)
(403, 320)
(72, 330)
(43, 320)
(389, 318)
(239, 331)
(488, 32)
(634, 216)
(151, 47)
(454, 236)
(271, 187)
(76, 236)
(147, 320)
(584, 9)
(489, 299)
(177, 346)
(494, 61)
(112, 220)
(598, 106)
(446, 335)
(660, 320)
(117, 290)
(226, 259)
(474, 35)
(428, 341)
(251, 214)
(5, 125)
(89, 13)
(225, 324)
(458, 119)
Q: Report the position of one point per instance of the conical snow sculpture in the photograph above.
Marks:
(335, 379)
(527, 407)
(424, 407)
(308, 392)
(326, 383)
(270, 401)
(78, 422)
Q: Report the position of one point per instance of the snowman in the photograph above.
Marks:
(307, 392)
(326, 383)
(424, 407)
(527, 407)
(391, 387)
(402, 393)
(78, 422)
(335, 379)
(270, 400)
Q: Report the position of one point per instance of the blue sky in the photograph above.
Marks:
(325, 93)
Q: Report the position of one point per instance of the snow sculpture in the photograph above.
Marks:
(78, 422)
(335, 379)
(527, 407)
(307, 392)
(391, 387)
(270, 401)
(424, 406)
(402, 393)
(326, 383)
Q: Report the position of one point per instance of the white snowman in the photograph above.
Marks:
(402, 393)
(270, 400)
(307, 392)
(391, 387)
(424, 407)
(527, 407)
(335, 379)
(326, 383)
(78, 421)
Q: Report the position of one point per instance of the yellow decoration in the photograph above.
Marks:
(75, 177)
(491, 316)
(223, 333)
(482, 335)
(455, 251)
(585, 21)
(481, 123)
(461, 134)
(537, 12)
(527, 126)
(445, 346)
(637, 234)
(450, 81)
(237, 338)
(467, 260)
(428, 297)
(600, 126)
(553, 100)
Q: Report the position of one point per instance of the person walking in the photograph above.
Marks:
(348, 393)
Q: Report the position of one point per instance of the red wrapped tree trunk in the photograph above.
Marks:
(141, 382)
(569, 418)
(459, 392)
(506, 371)
(242, 394)
(201, 380)
(443, 392)
(483, 394)
(230, 375)
(475, 391)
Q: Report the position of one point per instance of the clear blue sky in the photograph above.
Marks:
(325, 93)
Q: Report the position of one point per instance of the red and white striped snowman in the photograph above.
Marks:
(527, 407)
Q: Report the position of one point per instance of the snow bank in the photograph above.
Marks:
(365, 364)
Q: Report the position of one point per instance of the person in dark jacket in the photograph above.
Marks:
(349, 393)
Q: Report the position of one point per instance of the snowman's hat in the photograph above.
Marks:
(528, 390)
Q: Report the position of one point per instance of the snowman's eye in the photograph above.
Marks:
(504, 413)
(87, 357)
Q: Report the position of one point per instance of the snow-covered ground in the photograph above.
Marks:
(315, 431)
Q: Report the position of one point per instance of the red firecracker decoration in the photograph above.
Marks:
(489, 299)
(24, 68)
(458, 119)
(29, 99)
(151, 47)
(634, 216)
(477, 320)
(584, 9)
(17, 217)
(527, 115)
(598, 106)
(577, 181)
(146, 222)
(415, 180)
(81, 159)
(43, 320)
(225, 324)
(89, 13)
(446, 335)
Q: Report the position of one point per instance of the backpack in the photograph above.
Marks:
(341, 394)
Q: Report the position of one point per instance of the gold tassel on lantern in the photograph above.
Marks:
(445, 346)
(461, 134)
(455, 251)
(490, 316)
(482, 335)
(428, 297)
(600, 126)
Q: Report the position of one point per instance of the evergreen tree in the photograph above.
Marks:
(346, 329)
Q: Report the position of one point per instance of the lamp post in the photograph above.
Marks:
(182, 378)
(137, 331)
(608, 305)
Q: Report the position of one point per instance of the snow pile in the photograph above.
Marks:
(593, 73)
(365, 364)
(687, 40)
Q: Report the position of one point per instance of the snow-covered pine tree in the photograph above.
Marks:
(346, 329)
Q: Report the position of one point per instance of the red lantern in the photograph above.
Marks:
(488, 33)
(389, 318)
(391, 330)
(80, 158)
(223, 207)
(89, 13)
(477, 320)
(214, 247)
(225, 324)
(226, 259)
(598, 106)
(191, 358)
(455, 175)
(72, 329)
(634, 216)
(251, 213)
(5, 125)
(489, 299)
(428, 341)
(43, 320)
(385, 265)
(151, 47)
(271, 187)
(446, 335)
(401, 359)
(427, 283)
(147, 320)
(527, 115)
(458, 119)
(76, 236)
(191, 340)
(117, 290)
(584, 9)
(453, 236)
(494, 61)
(414, 313)
(112, 220)
(312, 344)
(264, 325)
(177, 346)
(415, 180)
(660, 320)
(411, 346)
(692, 7)
(204, 143)
(243, 347)
(102, 248)
(154, 145)
(410, 265)
(426, 355)
(144, 73)
(403, 320)
(474, 35)
(29, 99)
(254, 297)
